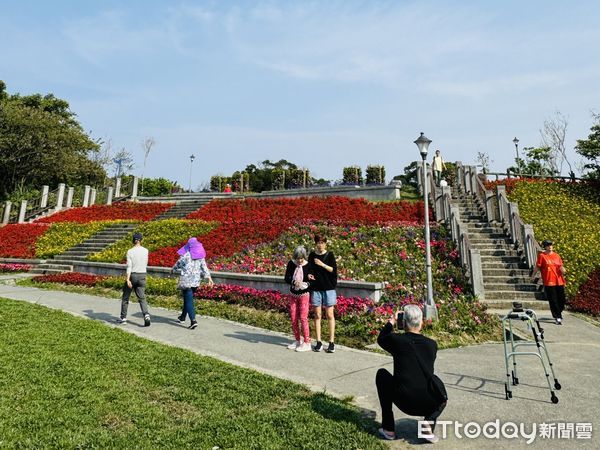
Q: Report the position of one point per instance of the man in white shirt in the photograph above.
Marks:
(438, 166)
(137, 263)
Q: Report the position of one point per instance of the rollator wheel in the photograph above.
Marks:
(554, 398)
(507, 393)
(515, 380)
(557, 385)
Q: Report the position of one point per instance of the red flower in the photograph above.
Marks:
(118, 211)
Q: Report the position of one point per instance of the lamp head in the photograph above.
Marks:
(515, 141)
(423, 144)
(192, 158)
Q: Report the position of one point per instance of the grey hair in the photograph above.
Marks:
(300, 253)
(413, 316)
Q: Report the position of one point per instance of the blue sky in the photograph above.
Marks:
(324, 84)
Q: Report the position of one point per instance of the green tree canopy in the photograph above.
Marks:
(41, 142)
(590, 149)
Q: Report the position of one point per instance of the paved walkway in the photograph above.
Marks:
(474, 375)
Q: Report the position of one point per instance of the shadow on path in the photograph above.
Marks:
(259, 337)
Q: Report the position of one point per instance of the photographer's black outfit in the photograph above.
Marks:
(407, 388)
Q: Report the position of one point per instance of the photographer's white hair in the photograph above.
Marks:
(413, 316)
(300, 253)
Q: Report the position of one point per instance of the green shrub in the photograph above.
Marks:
(158, 234)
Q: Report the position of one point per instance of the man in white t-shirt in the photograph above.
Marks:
(137, 264)
(438, 166)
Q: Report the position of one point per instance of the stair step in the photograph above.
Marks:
(41, 271)
(521, 287)
(506, 305)
(513, 295)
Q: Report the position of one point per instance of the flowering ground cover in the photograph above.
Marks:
(566, 213)
(389, 253)
(18, 240)
(330, 209)
(169, 233)
(251, 222)
(61, 236)
(129, 211)
(11, 268)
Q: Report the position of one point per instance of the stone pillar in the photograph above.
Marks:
(446, 193)
(118, 187)
(109, 195)
(6, 218)
(22, 211)
(489, 206)
(134, 188)
(92, 196)
(513, 209)
(420, 176)
(44, 201)
(476, 273)
(86, 196)
(70, 193)
(60, 197)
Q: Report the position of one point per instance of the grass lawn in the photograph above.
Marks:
(67, 382)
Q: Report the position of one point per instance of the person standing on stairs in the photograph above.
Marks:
(438, 166)
(550, 265)
(137, 264)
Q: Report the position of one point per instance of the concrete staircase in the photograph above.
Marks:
(182, 209)
(505, 275)
(99, 241)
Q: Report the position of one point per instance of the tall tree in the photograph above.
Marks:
(41, 142)
(553, 135)
(590, 149)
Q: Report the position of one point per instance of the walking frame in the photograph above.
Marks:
(541, 351)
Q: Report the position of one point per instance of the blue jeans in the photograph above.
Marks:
(188, 304)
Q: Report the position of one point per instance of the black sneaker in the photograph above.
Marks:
(318, 347)
(180, 319)
(331, 348)
(194, 325)
(122, 320)
(147, 320)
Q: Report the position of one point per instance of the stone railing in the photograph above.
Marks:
(521, 234)
(60, 198)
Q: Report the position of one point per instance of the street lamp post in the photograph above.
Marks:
(430, 310)
(516, 142)
(192, 158)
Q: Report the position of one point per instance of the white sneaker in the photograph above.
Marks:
(294, 345)
(305, 347)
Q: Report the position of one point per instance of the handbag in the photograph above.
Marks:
(435, 386)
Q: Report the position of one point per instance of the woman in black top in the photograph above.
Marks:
(323, 269)
(408, 387)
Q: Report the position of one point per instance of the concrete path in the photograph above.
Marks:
(474, 375)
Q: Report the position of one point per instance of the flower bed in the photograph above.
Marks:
(587, 299)
(18, 240)
(12, 268)
(129, 211)
(391, 253)
(170, 233)
(61, 236)
(567, 213)
(330, 209)
(72, 278)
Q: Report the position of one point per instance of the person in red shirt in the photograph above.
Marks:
(550, 265)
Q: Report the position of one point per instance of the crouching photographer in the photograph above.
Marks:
(413, 388)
